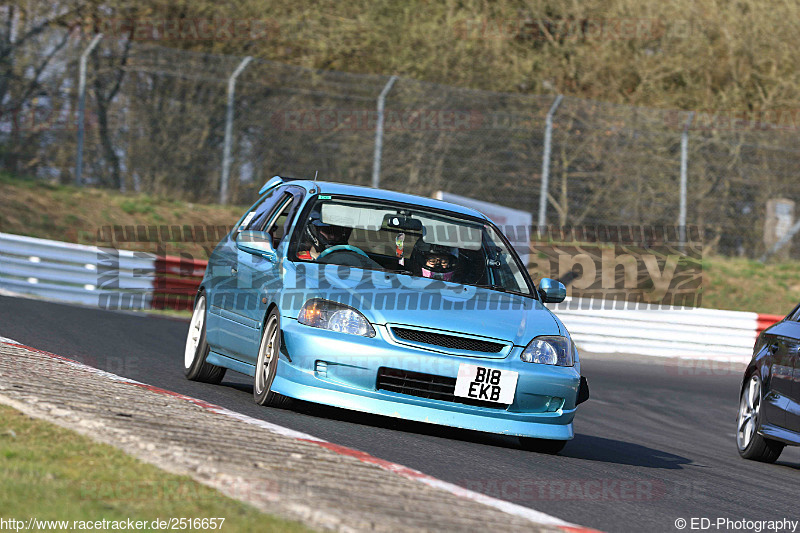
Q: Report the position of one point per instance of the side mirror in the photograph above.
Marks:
(257, 243)
(552, 291)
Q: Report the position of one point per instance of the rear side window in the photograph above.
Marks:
(284, 221)
(282, 218)
(259, 213)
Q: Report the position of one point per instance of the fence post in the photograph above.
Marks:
(783, 241)
(684, 179)
(376, 160)
(226, 148)
(548, 135)
(82, 105)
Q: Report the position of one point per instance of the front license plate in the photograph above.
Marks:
(487, 384)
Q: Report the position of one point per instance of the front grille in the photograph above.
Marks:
(448, 341)
(426, 386)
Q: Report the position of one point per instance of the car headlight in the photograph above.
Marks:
(550, 350)
(319, 313)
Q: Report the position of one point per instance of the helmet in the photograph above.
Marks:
(324, 235)
(434, 261)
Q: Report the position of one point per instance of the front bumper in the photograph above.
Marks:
(341, 370)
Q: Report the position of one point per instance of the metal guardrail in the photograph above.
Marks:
(97, 276)
(671, 332)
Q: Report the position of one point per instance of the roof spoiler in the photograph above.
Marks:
(271, 184)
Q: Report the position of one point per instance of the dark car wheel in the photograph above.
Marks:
(194, 360)
(548, 446)
(267, 363)
(752, 445)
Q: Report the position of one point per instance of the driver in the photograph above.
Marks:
(320, 236)
(435, 261)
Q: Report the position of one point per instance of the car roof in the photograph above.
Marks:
(328, 187)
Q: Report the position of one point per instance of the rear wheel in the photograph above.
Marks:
(752, 445)
(267, 362)
(194, 357)
(548, 446)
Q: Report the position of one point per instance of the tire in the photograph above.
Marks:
(269, 350)
(548, 446)
(194, 358)
(750, 443)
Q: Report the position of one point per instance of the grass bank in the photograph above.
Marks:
(50, 473)
(84, 215)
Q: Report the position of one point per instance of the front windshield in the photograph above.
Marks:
(398, 238)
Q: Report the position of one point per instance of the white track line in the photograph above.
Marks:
(507, 507)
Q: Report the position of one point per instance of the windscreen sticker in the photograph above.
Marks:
(352, 217)
(247, 220)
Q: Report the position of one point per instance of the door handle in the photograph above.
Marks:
(233, 270)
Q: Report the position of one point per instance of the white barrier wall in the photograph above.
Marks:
(672, 332)
(75, 273)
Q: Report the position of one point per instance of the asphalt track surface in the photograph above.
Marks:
(653, 444)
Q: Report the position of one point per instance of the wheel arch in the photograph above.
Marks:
(274, 305)
(755, 367)
(201, 290)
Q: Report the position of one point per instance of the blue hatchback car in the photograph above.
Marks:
(390, 304)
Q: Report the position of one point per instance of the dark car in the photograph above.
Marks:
(769, 409)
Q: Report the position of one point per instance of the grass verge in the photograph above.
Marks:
(51, 473)
(87, 216)
(741, 284)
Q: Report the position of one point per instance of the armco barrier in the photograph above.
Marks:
(111, 278)
(666, 332)
(96, 276)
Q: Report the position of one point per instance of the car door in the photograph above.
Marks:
(229, 330)
(792, 340)
(259, 279)
(778, 388)
(780, 342)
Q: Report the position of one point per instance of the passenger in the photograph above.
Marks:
(434, 261)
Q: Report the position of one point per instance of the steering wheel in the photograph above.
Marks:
(342, 248)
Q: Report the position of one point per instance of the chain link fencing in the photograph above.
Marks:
(156, 119)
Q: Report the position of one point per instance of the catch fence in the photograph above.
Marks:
(158, 120)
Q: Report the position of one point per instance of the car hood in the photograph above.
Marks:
(388, 298)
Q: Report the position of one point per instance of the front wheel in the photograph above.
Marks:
(548, 446)
(267, 362)
(194, 356)
(750, 443)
